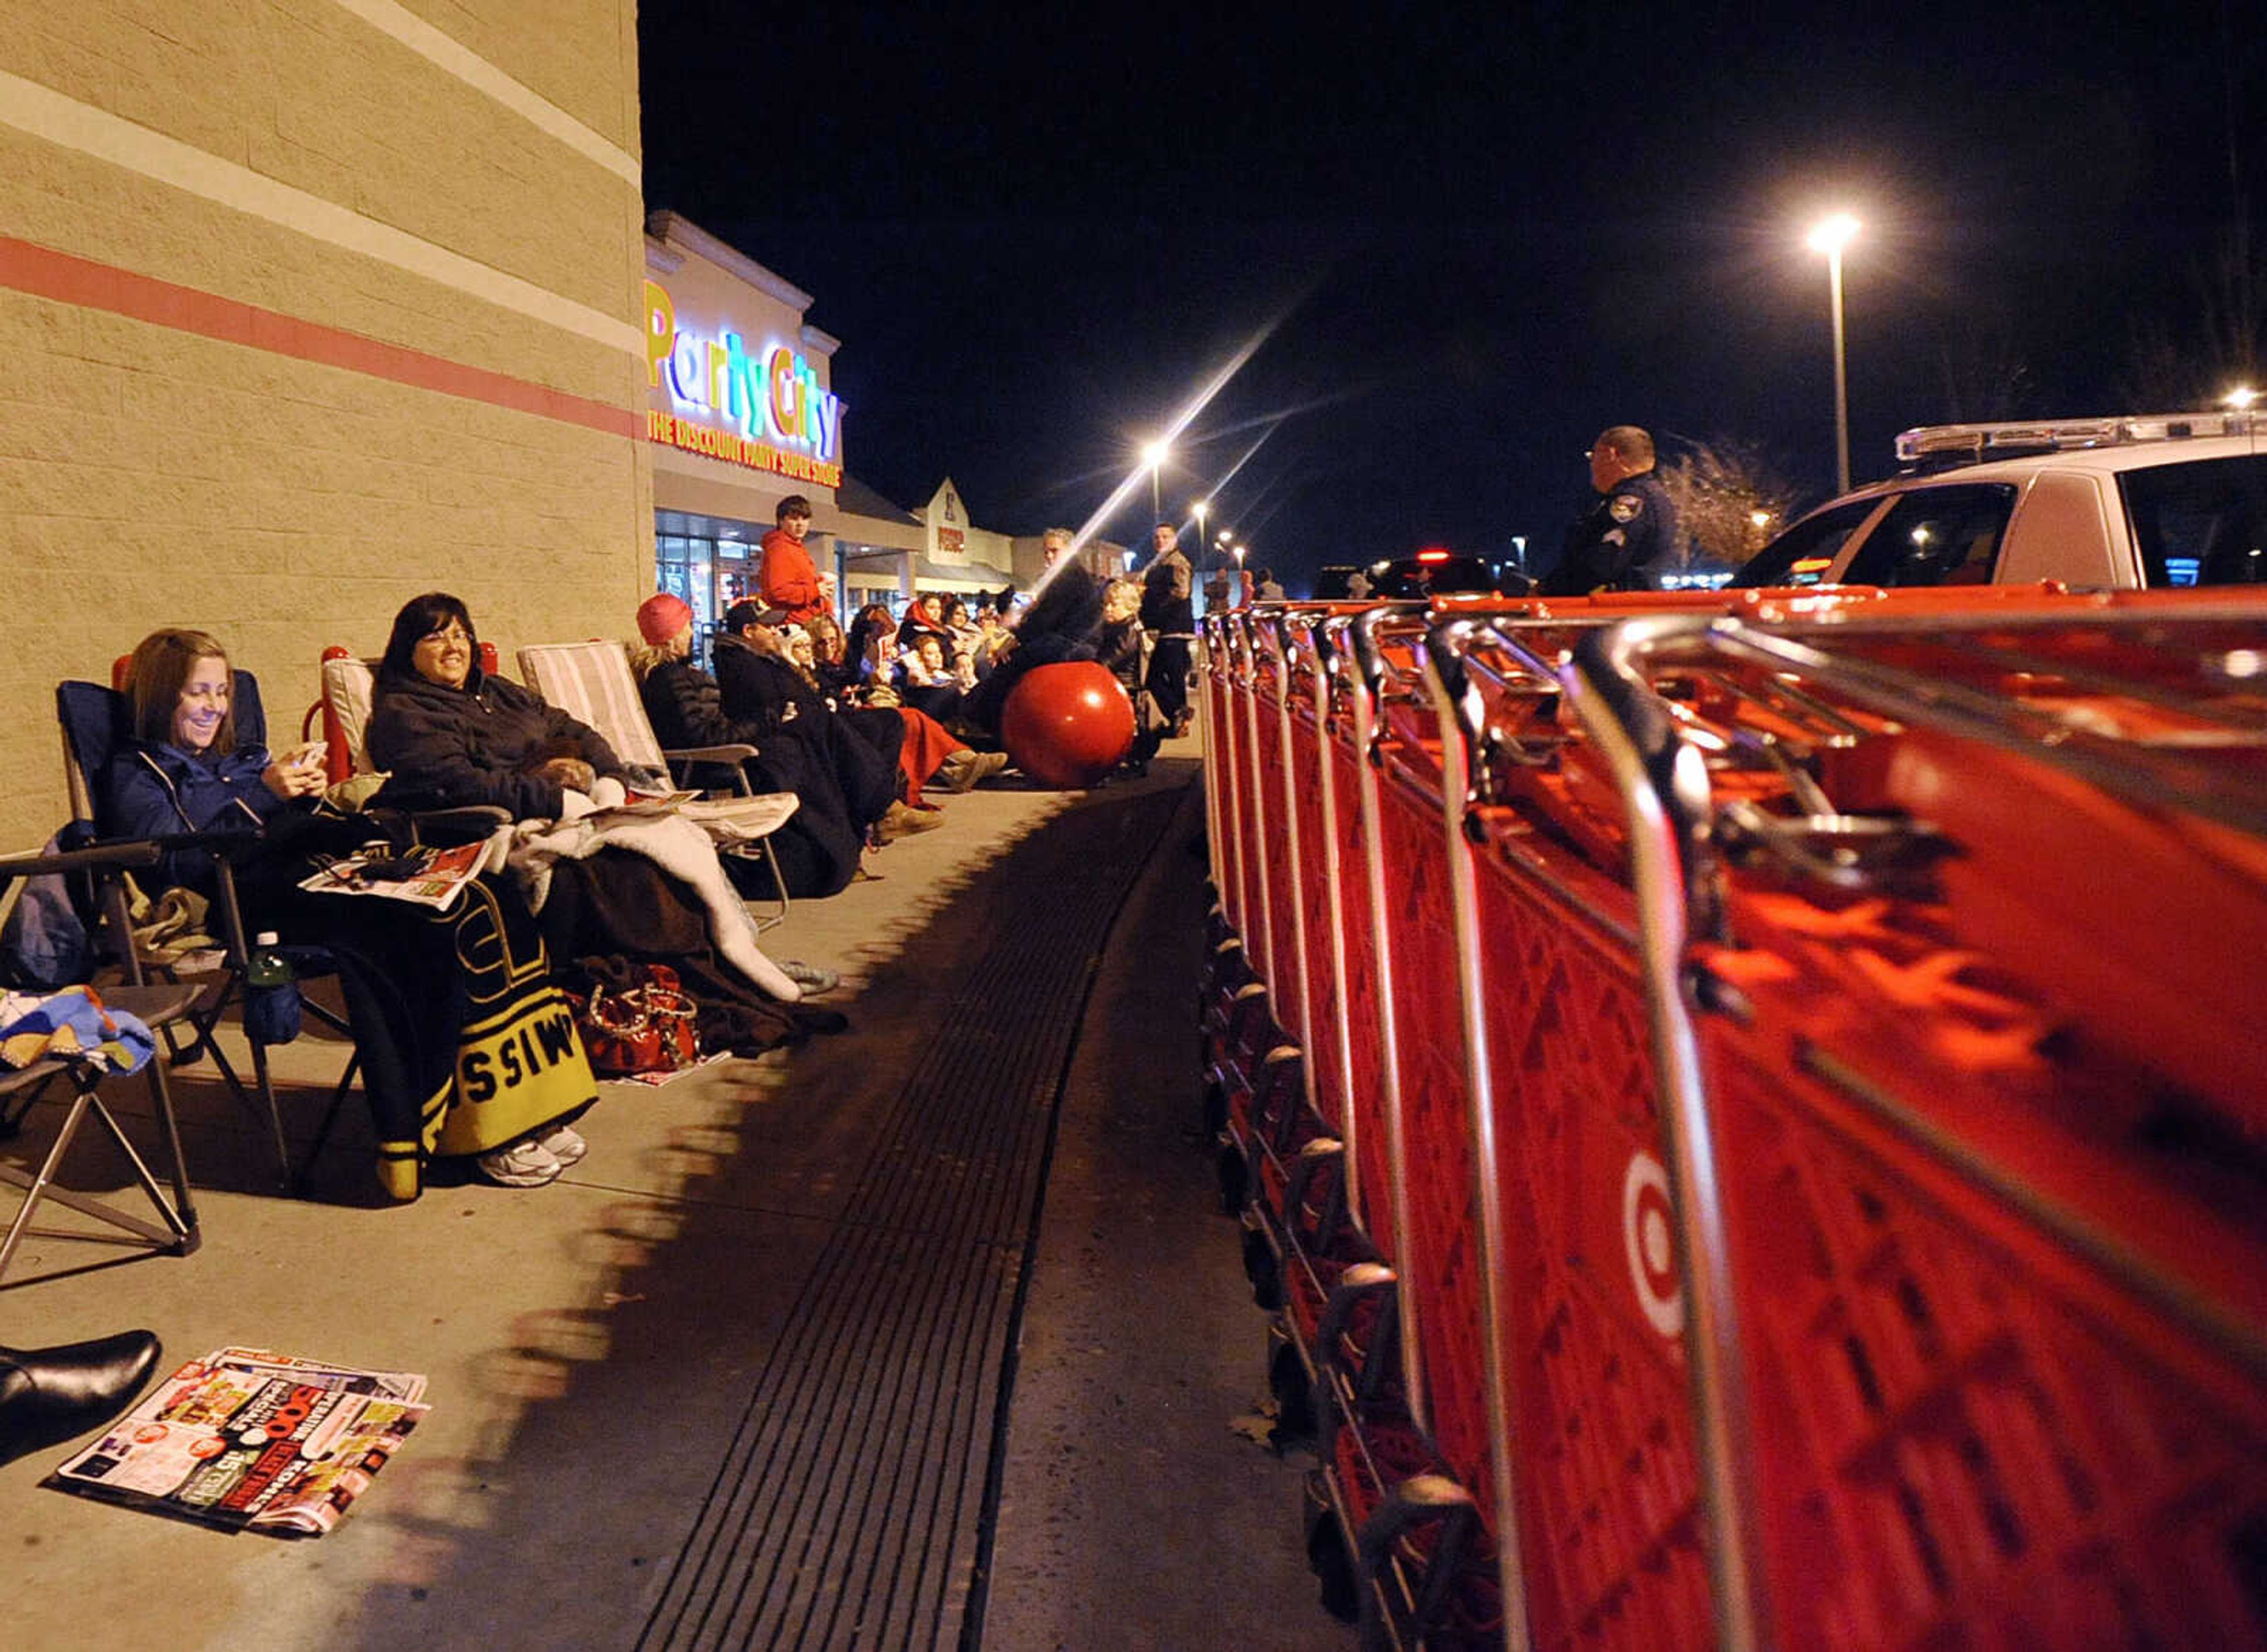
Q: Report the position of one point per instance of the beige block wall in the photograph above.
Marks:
(150, 475)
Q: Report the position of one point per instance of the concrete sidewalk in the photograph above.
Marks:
(592, 1343)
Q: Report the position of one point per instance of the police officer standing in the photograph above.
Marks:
(1630, 530)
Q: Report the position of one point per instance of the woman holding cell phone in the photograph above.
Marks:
(185, 771)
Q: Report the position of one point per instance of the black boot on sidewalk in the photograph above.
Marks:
(51, 1395)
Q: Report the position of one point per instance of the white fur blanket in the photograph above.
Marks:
(678, 847)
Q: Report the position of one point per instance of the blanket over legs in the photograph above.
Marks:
(678, 847)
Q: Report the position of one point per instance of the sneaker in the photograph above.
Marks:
(963, 771)
(900, 821)
(521, 1164)
(809, 977)
(563, 1144)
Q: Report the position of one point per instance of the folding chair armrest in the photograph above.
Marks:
(225, 843)
(140, 852)
(709, 753)
(460, 825)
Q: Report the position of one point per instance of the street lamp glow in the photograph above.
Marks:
(1760, 519)
(2240, 398)
(1830, 235)
(1154, 455)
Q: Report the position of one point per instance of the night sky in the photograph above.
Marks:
(1471, 237)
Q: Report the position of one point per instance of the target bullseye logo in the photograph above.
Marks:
(1649, 1243)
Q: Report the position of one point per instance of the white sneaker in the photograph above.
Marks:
(563, 1144)
(521, 1164)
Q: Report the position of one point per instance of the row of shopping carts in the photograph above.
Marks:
(1751, 1112)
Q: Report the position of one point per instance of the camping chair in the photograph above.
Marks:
(591, 682)
(343, 714)
(343, 710)
(94, 723)
(161, 1008)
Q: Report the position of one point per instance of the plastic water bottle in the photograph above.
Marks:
(271, 993)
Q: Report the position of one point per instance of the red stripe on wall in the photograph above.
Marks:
(47, 274)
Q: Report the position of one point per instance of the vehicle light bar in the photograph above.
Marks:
(1983, 441)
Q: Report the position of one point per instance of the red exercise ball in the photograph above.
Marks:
(1067, 724)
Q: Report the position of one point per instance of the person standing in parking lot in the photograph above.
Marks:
(1630, 529)
(1168, 615)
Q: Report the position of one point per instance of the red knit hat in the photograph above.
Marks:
(662, 616)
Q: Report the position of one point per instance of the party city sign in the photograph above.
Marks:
(774, 414)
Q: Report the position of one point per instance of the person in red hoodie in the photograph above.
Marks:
(788, 578)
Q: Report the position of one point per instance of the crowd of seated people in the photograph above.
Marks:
(936, 655)
(857, 729)
(846, 786)
(769, 668)
(468, 1045)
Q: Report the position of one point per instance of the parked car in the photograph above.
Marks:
(1430, 573)
(2096, 503)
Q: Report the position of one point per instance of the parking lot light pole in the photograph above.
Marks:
(1830, 237)
(1154, 454)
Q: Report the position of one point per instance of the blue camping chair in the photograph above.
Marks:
(95, 727)
(161, 1009)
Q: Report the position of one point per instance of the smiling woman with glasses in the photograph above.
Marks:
(452, 735)
(449, 735)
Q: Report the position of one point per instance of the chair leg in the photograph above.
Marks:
(179, 1229)
(339, 1095)
(169, 1126)
(779, 883)
(267, 1088)
(336, 1022)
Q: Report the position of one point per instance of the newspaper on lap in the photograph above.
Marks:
(251, 1440)
(424, 877)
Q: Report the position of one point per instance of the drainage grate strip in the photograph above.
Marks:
(847, 1509)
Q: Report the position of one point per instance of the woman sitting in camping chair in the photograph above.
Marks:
(450, 733)
(424, 1019)
(185, 772)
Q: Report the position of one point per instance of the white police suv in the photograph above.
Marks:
(2114, 503)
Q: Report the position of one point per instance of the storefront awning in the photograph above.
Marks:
(867, 568)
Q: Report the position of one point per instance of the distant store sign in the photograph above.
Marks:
(775, 415)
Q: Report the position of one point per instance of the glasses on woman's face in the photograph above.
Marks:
(450, 633)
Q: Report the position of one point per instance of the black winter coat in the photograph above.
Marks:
(765, 691)
(481, 744)
(1064, 618)
(762, 691)
(685, 709)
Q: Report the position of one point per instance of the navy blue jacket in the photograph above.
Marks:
(1630, 528)
(158, 790)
